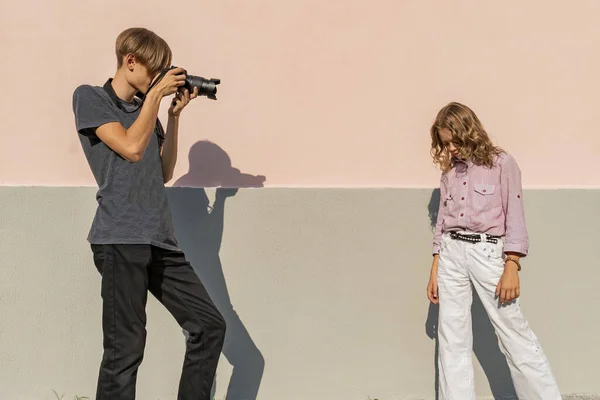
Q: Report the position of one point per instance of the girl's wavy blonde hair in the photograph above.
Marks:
(468, 135)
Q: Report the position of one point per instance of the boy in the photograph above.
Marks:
(131, 236)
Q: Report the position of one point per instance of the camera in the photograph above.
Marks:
(206, 87)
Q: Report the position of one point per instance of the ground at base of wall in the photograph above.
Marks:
(582, 397)
(565, 397)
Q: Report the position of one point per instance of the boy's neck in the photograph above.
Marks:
(122, 88)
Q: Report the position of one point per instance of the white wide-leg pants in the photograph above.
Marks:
(462, 267)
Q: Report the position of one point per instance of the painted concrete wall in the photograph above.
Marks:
(319, 93)
(323, 290)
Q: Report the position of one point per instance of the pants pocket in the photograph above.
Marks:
(99, 252)
(444, 242)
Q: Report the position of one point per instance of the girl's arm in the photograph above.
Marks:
(437, 237)
(516, 240)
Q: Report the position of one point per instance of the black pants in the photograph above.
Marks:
(128, 273)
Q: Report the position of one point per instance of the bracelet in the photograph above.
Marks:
(513, 259)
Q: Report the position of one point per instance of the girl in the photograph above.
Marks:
(479, 240)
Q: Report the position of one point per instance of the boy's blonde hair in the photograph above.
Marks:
(468, 135)
(150, 49)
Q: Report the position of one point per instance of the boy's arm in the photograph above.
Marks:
(168, 152)
(95, 116)
(131, 143)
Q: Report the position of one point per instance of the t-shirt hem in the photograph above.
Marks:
(135, 241)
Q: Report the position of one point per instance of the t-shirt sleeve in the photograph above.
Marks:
(91, 110)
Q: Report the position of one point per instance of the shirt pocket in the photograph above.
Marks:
(484, 196)
(485, 190)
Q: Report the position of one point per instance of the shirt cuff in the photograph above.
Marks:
(436, 249)
(516, 248)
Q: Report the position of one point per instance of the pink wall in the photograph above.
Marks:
(319, 93)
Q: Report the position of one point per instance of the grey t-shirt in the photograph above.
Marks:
(132, 201)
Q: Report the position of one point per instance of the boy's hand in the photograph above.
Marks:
(181, 99)
(170, 82)
(508, 288)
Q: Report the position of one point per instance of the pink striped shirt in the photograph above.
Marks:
(482, 200)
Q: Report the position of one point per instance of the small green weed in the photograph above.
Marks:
(61, 397)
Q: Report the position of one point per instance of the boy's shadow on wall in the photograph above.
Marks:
(485, 341)
(199, 231)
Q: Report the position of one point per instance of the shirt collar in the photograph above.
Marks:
(468, 163)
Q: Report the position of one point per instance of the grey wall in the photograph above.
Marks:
(323, 291)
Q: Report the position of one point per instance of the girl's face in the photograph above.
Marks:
(446, 139)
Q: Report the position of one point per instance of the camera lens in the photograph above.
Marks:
(206, 87)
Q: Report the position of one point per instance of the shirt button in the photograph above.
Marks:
(484, 190)
(518, 196)
(462, 198)
(462, 215)
(464, 183)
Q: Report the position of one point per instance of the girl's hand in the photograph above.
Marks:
(432, 286)
(508, 288)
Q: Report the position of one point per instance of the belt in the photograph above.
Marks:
(474, 238)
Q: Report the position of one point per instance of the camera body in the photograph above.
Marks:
(206, 87)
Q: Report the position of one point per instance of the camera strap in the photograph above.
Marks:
(115, 99)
